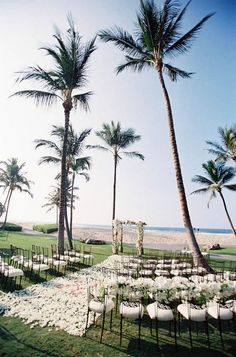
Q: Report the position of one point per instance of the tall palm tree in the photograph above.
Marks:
(217, 177)
(12, 178)
(117, 140)
(226, 149)
(75, 164)
(158, 38)
(70, 57)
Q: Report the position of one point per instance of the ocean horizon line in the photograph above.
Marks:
(159, 228)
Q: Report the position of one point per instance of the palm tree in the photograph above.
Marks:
(53, 201)
(226, 149)
(2, 209)
(11, 179)
(70, 57)
(78, 166)
(158, 37)
(217, 177)
(75, 164)
(117, 140)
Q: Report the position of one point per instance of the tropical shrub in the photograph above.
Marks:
(11, 227)
(46, 228)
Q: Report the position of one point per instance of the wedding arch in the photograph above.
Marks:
(118, 232)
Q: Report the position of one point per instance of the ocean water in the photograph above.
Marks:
(197, 230)
(163, 229)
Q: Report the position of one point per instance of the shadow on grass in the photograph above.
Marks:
(5, 334)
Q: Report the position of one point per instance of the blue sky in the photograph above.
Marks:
(146, 190)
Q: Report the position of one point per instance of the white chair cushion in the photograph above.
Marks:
(160, 272)
(99, 306)
(17, 257)
(151, 261)
(154, 311)
(145, 272)
(218, 312)
(48, 260)
(131, 312)
(64, 257)
(74, 259)
(27, 263)
(59, 263)
(11, 273)
(88, 256)
(79, 254)
(192, 314)
(176, 272)
(40, 267)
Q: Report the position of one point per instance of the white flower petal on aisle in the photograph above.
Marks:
(60, 303)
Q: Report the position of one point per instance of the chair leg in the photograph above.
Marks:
(175, 332)
(190, 333)
(207, 333)
(169, 328)
(157, 337)
(86, 326)
(197, 328)
(111, 320)
(103, 323)
(221, 335)
(139, 330)
(121, 318)
(179, 323)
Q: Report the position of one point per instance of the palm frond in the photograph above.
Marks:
(184, 43)
(212, 195)
(40, 97)
(82, 100)
(136, 64)
(132, 154)
(48, 143)
(202, 180)
(231, 187)
(40, 75)
(174, 72)
(97, 147)
(49, 160)
(89, 48)
(200, 191)
(122, 39)
(172, 31)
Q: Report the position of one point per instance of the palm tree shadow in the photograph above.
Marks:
(7, 335)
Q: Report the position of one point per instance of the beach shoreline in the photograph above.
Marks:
(152, 239)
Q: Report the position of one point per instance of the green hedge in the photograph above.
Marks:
(11, 227)
(46, 228)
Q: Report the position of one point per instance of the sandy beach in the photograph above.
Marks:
(152, 239)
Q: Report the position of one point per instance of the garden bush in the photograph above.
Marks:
(11, 227)
(46, 228)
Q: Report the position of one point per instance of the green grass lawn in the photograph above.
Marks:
(225, 250)
(18, 339)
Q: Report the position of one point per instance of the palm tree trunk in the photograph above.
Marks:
(60, 243)
(56, 215)
(71, 206)
(7, 209)
(4, 206)
(197, 256)
(227, 213)
(68, 229)
(114, 188)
